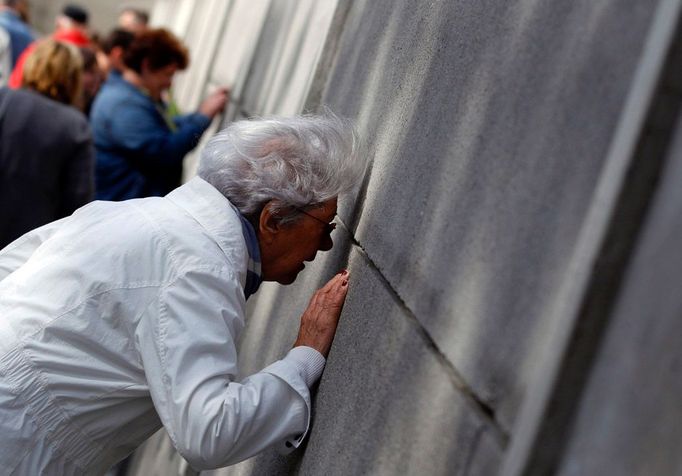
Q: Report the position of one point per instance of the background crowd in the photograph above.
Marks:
(85, 116)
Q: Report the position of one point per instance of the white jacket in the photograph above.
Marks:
(124, 316)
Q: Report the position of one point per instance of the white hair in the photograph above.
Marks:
(299, 162)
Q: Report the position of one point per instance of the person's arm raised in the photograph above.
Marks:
(214, 102)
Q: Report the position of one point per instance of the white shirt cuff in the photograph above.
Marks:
(302, 365)
(309, 363)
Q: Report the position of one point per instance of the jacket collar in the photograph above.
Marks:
(73, 36)
(218, 217)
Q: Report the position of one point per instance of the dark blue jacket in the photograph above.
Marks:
(20, 34)
(138, 155)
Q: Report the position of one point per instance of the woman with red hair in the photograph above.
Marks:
(140, 144)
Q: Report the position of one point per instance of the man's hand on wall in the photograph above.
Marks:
(319, 321)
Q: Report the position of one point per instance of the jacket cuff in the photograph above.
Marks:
(309, 362)
(199, 120)
(301, 368)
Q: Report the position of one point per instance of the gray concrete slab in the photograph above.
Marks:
(628, 421)
(607, 241)
(489, 123)
(386, 403)
(284, 61)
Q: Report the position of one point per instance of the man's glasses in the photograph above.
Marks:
(328, 227)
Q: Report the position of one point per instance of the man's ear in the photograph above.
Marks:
(268, 224)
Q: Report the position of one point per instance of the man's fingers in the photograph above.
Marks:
(336, 280)
(332, 293)
(320, 319)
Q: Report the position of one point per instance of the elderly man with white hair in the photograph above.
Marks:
(125, 316)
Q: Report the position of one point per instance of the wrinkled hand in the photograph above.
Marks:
(319, 321)
(215, 102)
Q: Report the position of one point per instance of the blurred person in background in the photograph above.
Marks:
(14, 20)
(140, 146)
(71, 26)
(133, 19)
(47, 157)
(114, 47)
(93, 77)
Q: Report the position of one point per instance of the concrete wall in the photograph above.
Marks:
(628, 421)
(513, 252)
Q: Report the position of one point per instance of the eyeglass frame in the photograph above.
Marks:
(328, 227)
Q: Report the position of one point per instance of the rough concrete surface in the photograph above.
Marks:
(489, 123)
(638, 372)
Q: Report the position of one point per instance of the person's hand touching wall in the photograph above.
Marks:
(215, 102)
(320, 319)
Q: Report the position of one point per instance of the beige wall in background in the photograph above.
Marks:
(103, 13)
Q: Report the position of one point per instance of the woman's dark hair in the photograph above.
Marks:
(89, 58)
(159, 47)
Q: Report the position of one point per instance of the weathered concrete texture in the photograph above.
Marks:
(489, 123)
(629, 419)
(605, 247)
(287, 52)
(386, 404)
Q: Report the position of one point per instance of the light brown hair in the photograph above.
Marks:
(55, 70)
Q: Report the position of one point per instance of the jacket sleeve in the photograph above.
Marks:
(78, 179)
(187, 345)
(139, 129)
(20, 250)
